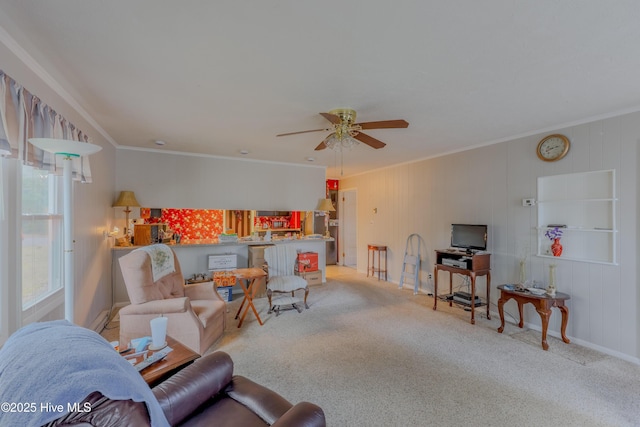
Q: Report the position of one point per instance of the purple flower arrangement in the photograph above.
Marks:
(553, 233)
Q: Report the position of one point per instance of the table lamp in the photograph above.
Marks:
(325, 205)
(126, 199)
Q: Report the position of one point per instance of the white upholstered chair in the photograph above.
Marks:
(281, 278)
(196, 312)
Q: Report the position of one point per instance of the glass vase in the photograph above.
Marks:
(556, 247)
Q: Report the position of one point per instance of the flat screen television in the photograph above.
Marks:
(469, 236)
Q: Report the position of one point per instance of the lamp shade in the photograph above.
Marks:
(325, 205)
(126, 199)
(65, 147)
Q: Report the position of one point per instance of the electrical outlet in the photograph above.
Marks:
(429, 276)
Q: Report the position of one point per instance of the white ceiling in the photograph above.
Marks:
(216, 77)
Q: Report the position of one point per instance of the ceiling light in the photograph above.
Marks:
(158, 142)
(342, 138)
(311, 159)
(244, 152)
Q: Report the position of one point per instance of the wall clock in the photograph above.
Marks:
(553, 147)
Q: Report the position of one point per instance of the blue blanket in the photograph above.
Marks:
(44, 365)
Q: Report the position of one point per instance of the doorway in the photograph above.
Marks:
(348, 228)
(238, 222)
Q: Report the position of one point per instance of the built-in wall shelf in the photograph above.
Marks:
(585, 205)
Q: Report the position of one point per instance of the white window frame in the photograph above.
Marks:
(10, 295)
(12, 314)
(48, 301)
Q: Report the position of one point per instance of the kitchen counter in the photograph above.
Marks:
(215, 242)
(193, 256)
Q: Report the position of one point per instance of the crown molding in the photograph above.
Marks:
(38, 70)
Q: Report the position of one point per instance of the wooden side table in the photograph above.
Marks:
(177, 359)
(543, 305)
(371, 256)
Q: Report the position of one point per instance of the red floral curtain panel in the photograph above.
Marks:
(191, 224)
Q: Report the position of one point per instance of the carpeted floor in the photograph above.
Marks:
(373, 355)
(576, 353)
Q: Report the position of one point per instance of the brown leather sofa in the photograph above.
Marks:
(233, 399)
(84, 382)
(205, 393)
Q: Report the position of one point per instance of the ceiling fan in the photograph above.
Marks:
(345, 131)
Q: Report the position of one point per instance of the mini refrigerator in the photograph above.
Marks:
(319, 227)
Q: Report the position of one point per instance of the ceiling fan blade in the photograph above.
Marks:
(304, 131)
(331, 117)
(370, 141)
(384, 124)
(322, 146)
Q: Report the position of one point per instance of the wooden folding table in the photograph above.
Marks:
(250, 276)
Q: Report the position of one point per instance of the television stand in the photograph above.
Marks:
(471, 265)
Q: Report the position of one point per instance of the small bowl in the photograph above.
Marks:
(537, 291)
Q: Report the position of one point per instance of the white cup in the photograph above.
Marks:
(159, 331)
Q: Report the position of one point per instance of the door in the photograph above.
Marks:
(348, 228)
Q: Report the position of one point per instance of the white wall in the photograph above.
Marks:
(486, 185)
(175, 180)
(159, 180)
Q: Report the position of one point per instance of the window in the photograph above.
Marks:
(41, 236)
(5, 253)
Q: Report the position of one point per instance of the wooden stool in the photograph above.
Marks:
(371, 256)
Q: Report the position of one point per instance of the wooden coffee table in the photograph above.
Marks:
(180, 357)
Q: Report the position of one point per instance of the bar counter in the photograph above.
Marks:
(193, 256)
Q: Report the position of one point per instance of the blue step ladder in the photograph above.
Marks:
(411, 262)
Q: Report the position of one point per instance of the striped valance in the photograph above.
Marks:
(25, 116)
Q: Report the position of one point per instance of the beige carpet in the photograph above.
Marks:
(576, 353)
(373, 355)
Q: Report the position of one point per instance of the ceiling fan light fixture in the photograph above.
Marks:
(338, 141)
(346, 133)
